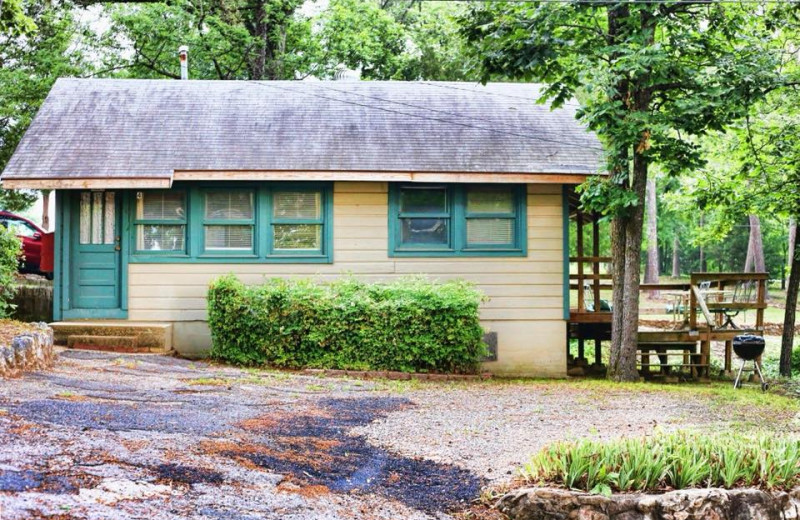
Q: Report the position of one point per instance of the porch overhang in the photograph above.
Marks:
(84, 183)
(150, 182)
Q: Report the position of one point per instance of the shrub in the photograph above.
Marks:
(664, 461)
(409, 325)
(10, 250)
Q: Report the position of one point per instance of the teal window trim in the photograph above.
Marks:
(262, 251)
(457, 229)
(565, 246)
(218, 222)
(133, 221)
(324, 221)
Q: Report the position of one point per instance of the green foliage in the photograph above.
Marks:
(13, 20)
(669, 461)
(227, 39)
(56, 48)
(361, 35)
(650, 76)
(409, 325)
(796, 361)
(10, 250)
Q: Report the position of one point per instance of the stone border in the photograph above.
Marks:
(712, 503)
(396, 376)
(28, 351)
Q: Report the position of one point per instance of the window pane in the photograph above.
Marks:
(160, 238)
(227, 205)
(161, 205)
(490, 201)
(423, 200)
(97, 218)
(109, 218)
(298, 236)
(490, 231)
(424, 231)
(238, 238)
(19, 228)
(297, 204)
(85, 217)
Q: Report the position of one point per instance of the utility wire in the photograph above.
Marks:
(445, 112)
(439, 120)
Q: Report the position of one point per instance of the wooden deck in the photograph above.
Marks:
(704, 310)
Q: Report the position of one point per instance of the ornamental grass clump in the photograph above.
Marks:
(669, 461)
(411, 325)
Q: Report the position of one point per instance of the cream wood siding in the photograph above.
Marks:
(526, 294)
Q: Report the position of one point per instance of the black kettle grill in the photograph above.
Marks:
(749, 348)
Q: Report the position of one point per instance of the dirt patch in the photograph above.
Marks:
(52, 483)
(315, 449)
(172, 473)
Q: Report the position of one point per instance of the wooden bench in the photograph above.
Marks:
(692, 359)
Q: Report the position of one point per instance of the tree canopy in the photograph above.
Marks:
(651, 78)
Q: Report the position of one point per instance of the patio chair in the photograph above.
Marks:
(588, 298)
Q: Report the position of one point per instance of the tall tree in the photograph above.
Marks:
(650, 77)
(228, 39)
(30, 61)
(652, 264)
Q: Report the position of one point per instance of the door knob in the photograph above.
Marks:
(116, 247)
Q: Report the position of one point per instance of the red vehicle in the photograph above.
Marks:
(31, 236)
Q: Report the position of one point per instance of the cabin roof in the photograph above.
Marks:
(149, 129)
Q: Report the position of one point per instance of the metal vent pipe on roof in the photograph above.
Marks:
(183, 53)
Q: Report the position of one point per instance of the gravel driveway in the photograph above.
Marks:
(105, 436)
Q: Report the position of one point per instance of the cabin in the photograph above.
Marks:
(163, 185)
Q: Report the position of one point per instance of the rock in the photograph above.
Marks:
(30, 351)
(576, 372)
(689, 504)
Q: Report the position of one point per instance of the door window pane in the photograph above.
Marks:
(431, 231)
(423, 200)
(109, 219)
(495, 231)
(297, 205)
(85, 217)
(298, 236)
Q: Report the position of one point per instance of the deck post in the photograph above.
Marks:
(581, 296)
(596, 261)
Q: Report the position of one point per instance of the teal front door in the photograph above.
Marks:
(95, 272)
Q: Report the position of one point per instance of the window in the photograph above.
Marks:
(239, 222)
(457, 220)
(229, 221)
(297, 222)
(19, 228)
(160, 221)
(97, 217)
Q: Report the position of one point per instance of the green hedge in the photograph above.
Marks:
(411, 325)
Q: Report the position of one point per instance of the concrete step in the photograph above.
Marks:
(116, 336)
(126, 344)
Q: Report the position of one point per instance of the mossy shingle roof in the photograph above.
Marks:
(100, 128)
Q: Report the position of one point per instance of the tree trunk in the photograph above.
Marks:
(787, 339)
(792, 239)
(703, 266)
(46, 210)
(651, 268)
(627, 249)
(676, 260)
